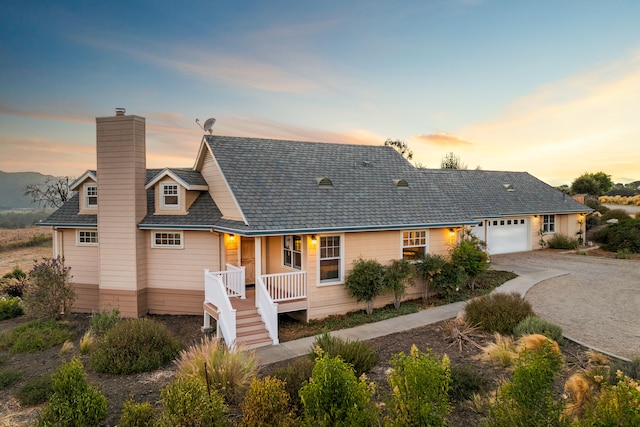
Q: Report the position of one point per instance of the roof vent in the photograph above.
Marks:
(324, 182)
(509, 187)
(120, 111)
(401, 183)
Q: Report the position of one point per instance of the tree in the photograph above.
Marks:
(53, 193)
(49, 293)
(401, 147)
(451, 161)
(595, 184)
(396, 278)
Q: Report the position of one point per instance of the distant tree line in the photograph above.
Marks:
(21, 219)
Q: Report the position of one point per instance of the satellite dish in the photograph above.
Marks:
(208, 125)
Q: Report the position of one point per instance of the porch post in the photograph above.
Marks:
(258, 257)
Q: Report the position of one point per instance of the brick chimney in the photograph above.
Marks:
(122, 204)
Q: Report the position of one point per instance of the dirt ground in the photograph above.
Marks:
(23, 257)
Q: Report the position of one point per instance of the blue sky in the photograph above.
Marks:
(548, 87)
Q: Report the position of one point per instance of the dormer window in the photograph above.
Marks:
(91, 196)
(170, 196)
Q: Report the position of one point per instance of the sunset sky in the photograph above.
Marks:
(547, 87)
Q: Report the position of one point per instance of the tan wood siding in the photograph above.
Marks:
(87, 298)
(175, 301)
(83, 260)
(439, 241)
(129, 303)
(184, 201)
(219, 189)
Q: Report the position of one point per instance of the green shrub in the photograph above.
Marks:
(420, 385)
(133, 346)
(528, 400)
(13, 283)
(10, 307)
(294, 375)
(35, 336)
(9, 377)
(397, 276)
(230, 371)
(617, 405)
(335, 397)
(470, 256)
(465, 382)
(498, 312)
(188, 401)
(429, 268)
(137, 415)
(365, 281)
(562, 241)
(73, 402)
(628, 369)
(595, 204)
(623, 236)
(537, 325)
(49, 293)
(102, 321)
(619, 214)
(267, 404)
(35, 391)
(358, 354)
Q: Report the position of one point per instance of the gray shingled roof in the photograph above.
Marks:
(68, 215)
(188, 175)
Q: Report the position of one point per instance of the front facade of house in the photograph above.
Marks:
(286, 218)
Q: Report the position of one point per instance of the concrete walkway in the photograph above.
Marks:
(291, 349)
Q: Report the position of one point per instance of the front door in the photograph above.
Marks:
(248, 259)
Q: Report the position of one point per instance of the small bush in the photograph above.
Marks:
(502, 351)
(358, 354)
(335, 397)
(538, 325)
(74, 402)
(465, 382)
(629, 369)
(86, 342)
(137, 415)
(562, 241)
(67, 347)
(102, 321)
(498, 312)
(267, 404)
(617, 405)
(35, 336)
(294, 375)
(230, 371)
(397, 277)
(470, 256)
(9, 377)
(619, 214)
(623, 236)
(48, 294)
(13, 283)
(365, 281)
(10, 307)
(420, 385)
(133, 346)
(35, 391)
(188, 401)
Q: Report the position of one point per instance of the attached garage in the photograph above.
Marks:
(505, 235)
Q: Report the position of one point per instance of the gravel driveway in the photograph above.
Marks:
(597, 301)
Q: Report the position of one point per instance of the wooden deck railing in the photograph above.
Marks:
(286, 286)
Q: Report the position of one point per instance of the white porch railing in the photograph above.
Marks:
(268, 310)
(286, 286)
(233, 279)
(216, 293)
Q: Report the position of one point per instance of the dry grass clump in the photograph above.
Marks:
(535, 342)
(501, 352)
(581, 388)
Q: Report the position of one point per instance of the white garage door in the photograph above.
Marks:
(504, 236)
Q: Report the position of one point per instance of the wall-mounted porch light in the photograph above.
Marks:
(232, 238)
(314, 239)
(452, 232)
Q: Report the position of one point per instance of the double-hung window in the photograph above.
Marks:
(164, 239)
(549, 223)
(91, 196)
(330, 259)
(87, 237)
(170, 194)
(414, 244)
(292, 251)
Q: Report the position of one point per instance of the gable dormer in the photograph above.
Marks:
(87, 186)
(175, 191)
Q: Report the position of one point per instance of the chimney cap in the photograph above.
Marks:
(120, 111)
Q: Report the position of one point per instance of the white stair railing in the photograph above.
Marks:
(215, 292)
(268, 310)
(286, 286)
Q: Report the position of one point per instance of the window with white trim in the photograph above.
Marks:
(167, 239)
(91, 196)
(414, 244)
(330, 259)
(549, 223)
(292, 251)
(170, 196)
(87, 237)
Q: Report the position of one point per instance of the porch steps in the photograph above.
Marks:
(250, 330)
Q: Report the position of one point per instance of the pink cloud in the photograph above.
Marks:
(443, 140)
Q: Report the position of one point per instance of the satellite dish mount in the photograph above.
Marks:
(208, 125)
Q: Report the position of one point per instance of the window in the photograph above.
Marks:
(414, 245)
(549, 223)
(330, 259)
(87, 237)
(91, 196)
(170, 196)
(161, 239)
(292, 251)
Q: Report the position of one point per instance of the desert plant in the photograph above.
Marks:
(73, 402)
(430, 269)
(502, 351)
(35, 391)
(35, 336)
(229, 371)
(562, 241)
(469, 255)
(365, 281)
(538, 325)
(133, 346)
(498, 312)
(137, 414)
(102, 321)
(9, 377)
(10, 307)
(358, 354)
(335, 397)
(190, 402)
(420, 384)
(294, 375)
(48, 294)
(397, 276)
(267, 404)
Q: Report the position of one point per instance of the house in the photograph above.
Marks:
(259, 227)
